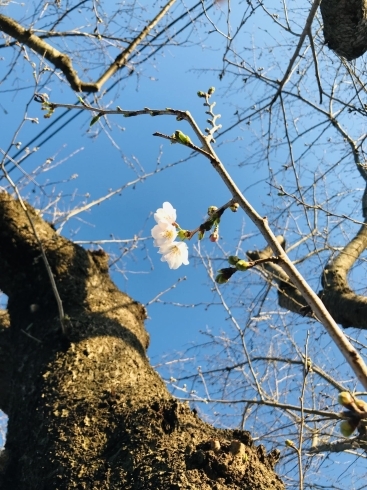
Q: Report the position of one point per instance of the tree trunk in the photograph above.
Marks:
(86, 410)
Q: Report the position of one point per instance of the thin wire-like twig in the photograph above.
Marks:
(43, 253)
(302, 37)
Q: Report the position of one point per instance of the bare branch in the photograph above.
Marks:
(63, 62)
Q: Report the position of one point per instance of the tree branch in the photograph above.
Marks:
(63, 62)
(347, 308)
(305, 32)
(288, 295)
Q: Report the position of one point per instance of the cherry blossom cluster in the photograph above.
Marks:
(164, 233)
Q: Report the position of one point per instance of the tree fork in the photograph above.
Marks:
(64, 63)
(345, 306)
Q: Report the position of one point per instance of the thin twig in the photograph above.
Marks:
(318, 80)
(302, 37)
(31, 336)
(63, 62)
(306, 370)
(43, 253)
(281, 406)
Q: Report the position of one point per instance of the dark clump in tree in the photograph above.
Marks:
(86, 410)
(345, 26)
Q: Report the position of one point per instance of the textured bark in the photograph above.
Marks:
(345, 306)
(345, 26)
(86, 410)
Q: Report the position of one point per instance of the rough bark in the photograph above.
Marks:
(86, 410)
(345, 26)
(345, 306)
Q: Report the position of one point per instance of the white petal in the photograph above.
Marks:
(163, 233)
(175, 254)
(166, 214)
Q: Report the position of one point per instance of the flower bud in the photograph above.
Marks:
(233, 259)
(182, 138)
(234, 207)
(212, 210)
(221, 278)
(362, 405)
(242, 265)
(211, 90)
(224, 275)
(214, 237)
(183, 234)
(345, 399)
(201, 94)
(289, 443)
(347, 427)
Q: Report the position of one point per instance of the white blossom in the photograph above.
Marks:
(163, 233)
(166, 214)
(175, 254)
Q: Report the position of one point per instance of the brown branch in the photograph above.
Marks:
(53, 55)
(63, 62)
(346, 307)
(288, 295)
(269, 359)
(270, 403)
(45, 35)
(339, 446)
(314, 55)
